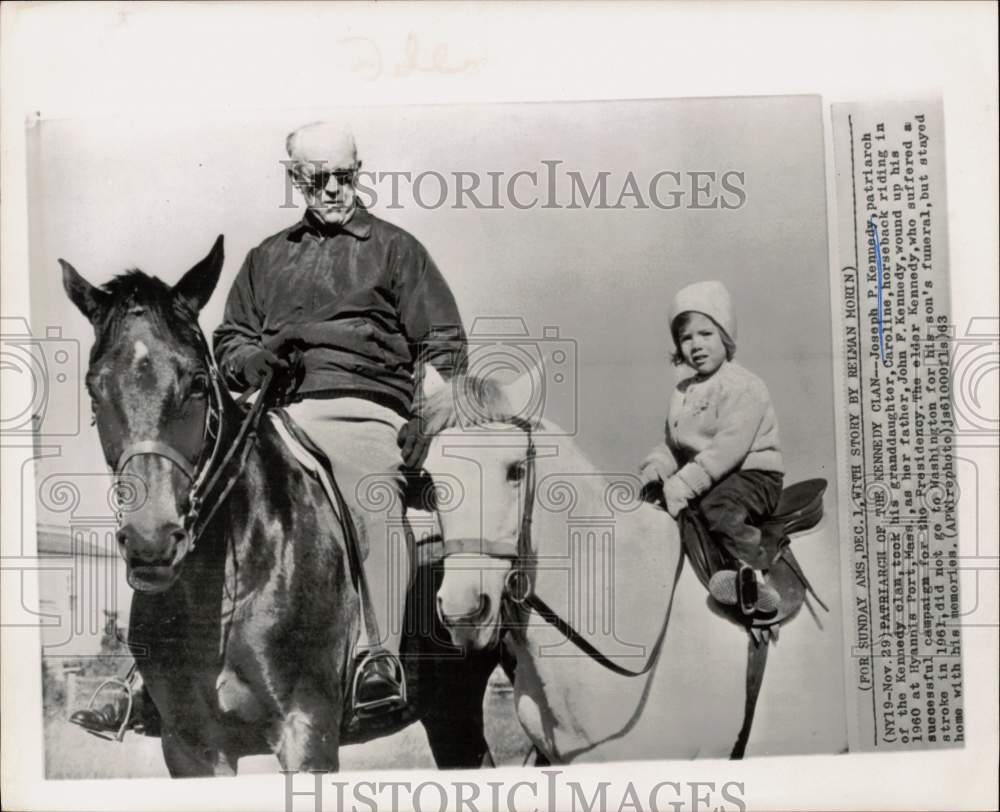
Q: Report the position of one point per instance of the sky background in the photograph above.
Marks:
(109, 194)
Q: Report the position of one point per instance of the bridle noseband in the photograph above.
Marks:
(147, 448)
(514, 549)
(206, 474)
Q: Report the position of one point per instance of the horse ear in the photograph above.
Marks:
(525, 394)
(197, 284)
(431, 381)
(85, 296)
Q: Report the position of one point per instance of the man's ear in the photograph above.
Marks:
(196, 285)
(85, 296)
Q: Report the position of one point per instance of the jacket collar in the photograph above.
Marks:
(359, 226)
(697, 377)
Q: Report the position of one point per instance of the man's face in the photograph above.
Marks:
(328, 186)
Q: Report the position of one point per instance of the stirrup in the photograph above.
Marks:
(387, 703)
(124, 685)
(746, 590)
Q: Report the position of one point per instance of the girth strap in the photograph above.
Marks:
(756, 663)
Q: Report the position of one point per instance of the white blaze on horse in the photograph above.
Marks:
(526, 514)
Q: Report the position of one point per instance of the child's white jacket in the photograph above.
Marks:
(721, 424)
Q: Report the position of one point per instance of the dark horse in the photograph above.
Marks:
(244, 617)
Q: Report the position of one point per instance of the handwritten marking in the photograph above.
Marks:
(878, 282)
(370, 65)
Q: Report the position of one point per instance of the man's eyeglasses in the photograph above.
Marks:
(320, 181)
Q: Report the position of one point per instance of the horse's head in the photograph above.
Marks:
(152, 388)
(480, 460)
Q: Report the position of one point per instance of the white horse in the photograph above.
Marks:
(612, 567)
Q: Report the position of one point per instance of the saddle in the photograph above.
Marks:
(800, 508)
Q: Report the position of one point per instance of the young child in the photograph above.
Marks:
(721, 456)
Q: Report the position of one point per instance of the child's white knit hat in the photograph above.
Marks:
(710, 298)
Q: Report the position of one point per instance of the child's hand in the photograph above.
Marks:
(676, 493)
(649, 475)
(658, 466)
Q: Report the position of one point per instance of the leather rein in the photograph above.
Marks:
(521, 599)
(205, 477)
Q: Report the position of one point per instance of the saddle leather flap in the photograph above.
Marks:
(800, 506)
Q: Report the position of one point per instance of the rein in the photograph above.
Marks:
(520, 599)
(519, 585)
(519, 591)
(209, 472)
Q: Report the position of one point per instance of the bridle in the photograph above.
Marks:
(519, 596)
(206, 475)
(520, 600)
(517, 549)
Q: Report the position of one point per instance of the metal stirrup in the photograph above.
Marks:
(392, 701)
(126, 686)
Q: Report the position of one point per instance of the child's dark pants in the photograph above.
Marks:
(732, 508)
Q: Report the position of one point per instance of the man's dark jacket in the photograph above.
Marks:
(364, 304)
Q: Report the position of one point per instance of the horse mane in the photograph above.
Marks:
(462, 402)
(134, 291)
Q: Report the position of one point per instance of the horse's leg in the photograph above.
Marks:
(187, 757)
(455, 734)
(541, 760)
(308, 738)
(454, 723)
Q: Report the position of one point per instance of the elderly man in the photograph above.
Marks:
(362, 306)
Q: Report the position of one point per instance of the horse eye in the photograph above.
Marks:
(515, 473)
(199, 386)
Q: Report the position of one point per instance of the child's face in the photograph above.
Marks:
(701, 344)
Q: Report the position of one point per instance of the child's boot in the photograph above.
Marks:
(742, 588)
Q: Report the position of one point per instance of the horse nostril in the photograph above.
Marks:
(472, 617)
(122, 537)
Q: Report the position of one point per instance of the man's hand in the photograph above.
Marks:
(676, 493)
(259, 363)
(413, 444)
